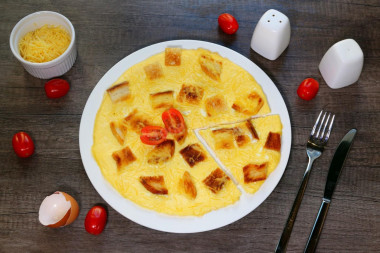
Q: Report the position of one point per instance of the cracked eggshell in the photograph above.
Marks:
(58, 210)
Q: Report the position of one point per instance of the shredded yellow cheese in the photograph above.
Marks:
(44, 44)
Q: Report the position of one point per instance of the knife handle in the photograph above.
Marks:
(317, 228)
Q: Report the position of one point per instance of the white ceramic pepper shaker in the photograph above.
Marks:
(272, 35)
(342, 64)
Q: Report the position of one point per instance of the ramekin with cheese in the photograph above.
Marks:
(45, 69)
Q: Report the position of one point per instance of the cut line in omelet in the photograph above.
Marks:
(180, 176)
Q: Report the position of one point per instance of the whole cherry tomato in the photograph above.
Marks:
(173, 121)
(23, 144)
(308, 89)
(96, 220)
(56, 88)
(153, 135)
(228, 23)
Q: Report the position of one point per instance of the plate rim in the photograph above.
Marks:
(181, 224)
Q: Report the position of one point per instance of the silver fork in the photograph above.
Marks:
(314, 148)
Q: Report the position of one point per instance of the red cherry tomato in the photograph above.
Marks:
(173, 121)
(23, 144)
(308, 89)
(228, 23)
(56, 88)
(96, 220)
(153, 135)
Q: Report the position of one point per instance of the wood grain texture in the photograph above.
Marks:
(107, 31)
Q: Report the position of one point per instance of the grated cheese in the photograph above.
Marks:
(44, 44)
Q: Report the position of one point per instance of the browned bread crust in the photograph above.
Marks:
(119, 92)
(273, 141)
(255, 172)
(173, 56)
(154, 184)
(162, 152)
(123, 157)
(193, 154)
(216, 180)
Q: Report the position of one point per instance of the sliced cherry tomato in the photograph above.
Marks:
(308, 89)
(228, 23)
(173, 121)
(153, 135)
(96, 220)
(56, 88)
(23, 144)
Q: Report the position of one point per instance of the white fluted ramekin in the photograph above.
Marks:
(59, 65)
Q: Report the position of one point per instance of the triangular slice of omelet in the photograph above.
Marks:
(249, 150)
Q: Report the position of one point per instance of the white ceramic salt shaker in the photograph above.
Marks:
(272, 35)
(342, 64)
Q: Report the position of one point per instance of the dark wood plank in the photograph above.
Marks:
(107, 31)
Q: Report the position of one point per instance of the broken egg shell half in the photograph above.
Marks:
(58, 210)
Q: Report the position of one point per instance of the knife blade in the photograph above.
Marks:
(337, 163)
(336, 166)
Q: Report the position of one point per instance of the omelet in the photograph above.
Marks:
(249, 150)
(178, 176)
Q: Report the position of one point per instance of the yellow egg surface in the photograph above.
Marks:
(235, 158)
(175, 202)
(233, 86)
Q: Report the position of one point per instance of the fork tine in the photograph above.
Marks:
(330, 127)
(316, 124)
(320, 126)
(326, 123)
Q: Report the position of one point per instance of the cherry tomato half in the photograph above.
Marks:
(228, 23)
(23, 144)
(173, 121)
(56, 88)
(308, 89)
(96, 220)
(153, 135)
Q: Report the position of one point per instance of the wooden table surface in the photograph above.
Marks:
(107, 31)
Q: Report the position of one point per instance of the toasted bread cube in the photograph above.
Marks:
(119, 92)
(211, 67)
(153, 71)
(252, 129)
(173, 56)
(223, 138)
(154, 184)
(188, 185)
(193, 154)
(137, 121)
(181, 137)
(273, 141)
(215, 105)
(123, 157)
(119, 130)
(161, 153)
(240, 138)
(216, 180)
(190, 94)
(255, 172)
(250, 104)
(163, 100)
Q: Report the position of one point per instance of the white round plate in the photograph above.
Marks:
(178, 224)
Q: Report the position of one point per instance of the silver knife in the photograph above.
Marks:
(332, 178)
